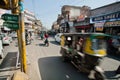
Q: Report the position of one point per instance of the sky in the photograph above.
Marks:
(47, 10)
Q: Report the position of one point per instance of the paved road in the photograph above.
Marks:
(46, 64)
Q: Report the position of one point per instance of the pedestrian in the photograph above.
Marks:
(79, 44)
(30, 35)
(41, 35)
(46, 39)
(26, 36)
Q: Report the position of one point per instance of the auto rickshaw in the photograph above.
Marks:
(84, 51)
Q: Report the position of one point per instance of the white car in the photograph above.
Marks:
(58, 37)
(1, 48)
(13, 35)
(6, 39)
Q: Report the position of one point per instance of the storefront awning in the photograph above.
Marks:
(100, 24)
(112, 24)
(83, 27)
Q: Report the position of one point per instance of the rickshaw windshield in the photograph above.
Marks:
(98, 44)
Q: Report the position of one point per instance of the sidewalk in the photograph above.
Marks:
(18, 75)
(8, 64)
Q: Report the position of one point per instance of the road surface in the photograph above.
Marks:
(44, 63)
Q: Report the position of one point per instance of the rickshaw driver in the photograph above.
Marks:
(79, 44)
(69, 42)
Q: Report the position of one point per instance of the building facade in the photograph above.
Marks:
(29, 19)
(107, 18)
(74, 17)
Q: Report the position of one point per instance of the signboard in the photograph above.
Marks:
(115, 15)
(11, 21)
(11, 25)
(99, 26)
(112, 23)
(10, 17)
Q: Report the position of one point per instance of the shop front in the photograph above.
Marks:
(108, 23)
(83, 26)
(112, 27)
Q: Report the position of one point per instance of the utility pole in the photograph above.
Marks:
(22, 35)
(17, 8)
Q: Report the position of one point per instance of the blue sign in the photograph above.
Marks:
(115, 15)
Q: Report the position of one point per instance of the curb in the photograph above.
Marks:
(18, 75)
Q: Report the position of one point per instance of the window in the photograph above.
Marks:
(98, 44)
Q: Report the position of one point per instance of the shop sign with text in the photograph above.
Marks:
(115, 15)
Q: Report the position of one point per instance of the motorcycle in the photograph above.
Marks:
(85, 57)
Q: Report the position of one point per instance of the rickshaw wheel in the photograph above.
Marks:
(65, 59)
(99, 76)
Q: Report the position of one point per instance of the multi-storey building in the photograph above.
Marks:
(72, 17)
(31, 22)
(29, 19)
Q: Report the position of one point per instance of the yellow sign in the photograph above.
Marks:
(99, 28)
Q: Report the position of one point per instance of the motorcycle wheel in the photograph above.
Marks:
(64, 59)
(99, 76)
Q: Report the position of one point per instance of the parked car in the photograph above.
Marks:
(6, 39)
(58, 37)
(13, 35)
(1, 48)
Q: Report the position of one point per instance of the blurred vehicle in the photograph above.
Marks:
(85, 51)
(6, 39)
(58, 37)
(1, 48)
(13, 35)
(114, 45)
